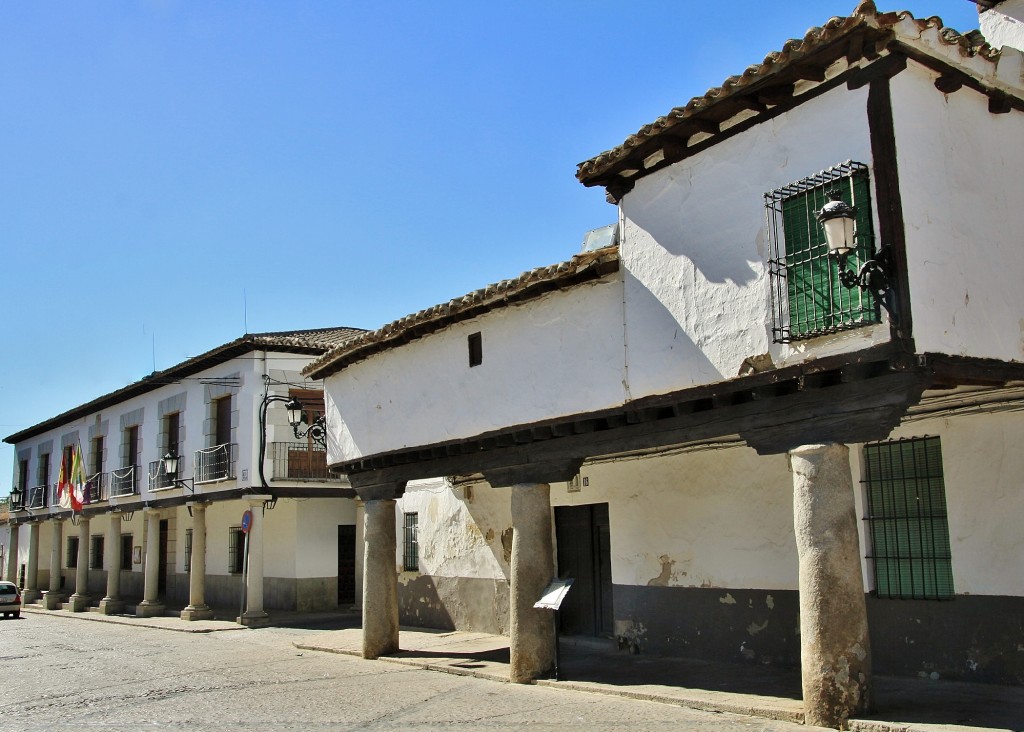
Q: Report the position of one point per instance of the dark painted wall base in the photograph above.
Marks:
(970, 638)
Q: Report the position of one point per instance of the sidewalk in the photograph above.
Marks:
(594, 665)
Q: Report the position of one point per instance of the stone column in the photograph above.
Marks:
(380, 579)
(11, 574)
(197, 608)
(254, 614)
(112, 602)
(80, 599)
(151, 604)
(835, 651)
(54, 597)
(31, 592)
(532, 632)
(360, 550)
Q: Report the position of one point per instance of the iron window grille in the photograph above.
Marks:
(411, 544)
(906, 514)
(188, 551)
(96, 552)
(236, 550)
(808, 299)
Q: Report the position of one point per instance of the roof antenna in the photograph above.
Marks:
(245, 312)
(154, 352)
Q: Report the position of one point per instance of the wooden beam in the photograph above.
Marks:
(998, 103)
(776, 94)
(704, 125)
(949, 83)
(809, 73)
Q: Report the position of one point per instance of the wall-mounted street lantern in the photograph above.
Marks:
(317, 431)
(837, 219)
(171, 462)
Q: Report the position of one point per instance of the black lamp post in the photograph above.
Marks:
(837, 219)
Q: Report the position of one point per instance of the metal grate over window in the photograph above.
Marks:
(236, 550)
(411, 545)
(808, 299)
(906, 501)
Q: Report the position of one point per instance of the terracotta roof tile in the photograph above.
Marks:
(584, 267)
(310, 342)
(901, 24)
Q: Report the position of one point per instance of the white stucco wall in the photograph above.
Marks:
(708, 518)
(316, 521)
(1003, 25)
(425, 392)
(694, 254)
(695, 247)
(961, 183)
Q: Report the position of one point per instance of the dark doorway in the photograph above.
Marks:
(162, 576)
(584, 553)
(346, 565)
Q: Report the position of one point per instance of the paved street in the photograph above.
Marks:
(67, 673)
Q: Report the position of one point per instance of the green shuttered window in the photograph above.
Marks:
(808, 299)
(906, 503)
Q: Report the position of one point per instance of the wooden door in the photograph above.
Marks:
(583, 534)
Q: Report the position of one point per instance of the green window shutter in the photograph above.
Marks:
(808, 298)
(908, 521)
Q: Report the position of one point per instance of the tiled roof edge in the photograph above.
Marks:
(317, 342)
(866, 15)
(586, 266)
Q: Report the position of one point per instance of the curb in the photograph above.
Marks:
(126, 620)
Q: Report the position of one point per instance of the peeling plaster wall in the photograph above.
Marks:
(464, 563)
(961, 184)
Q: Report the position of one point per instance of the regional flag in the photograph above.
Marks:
(64, 482)
(77, 479)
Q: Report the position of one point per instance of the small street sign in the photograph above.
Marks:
(246, 522)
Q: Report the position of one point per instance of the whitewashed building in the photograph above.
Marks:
(736, 452)
(157, 540)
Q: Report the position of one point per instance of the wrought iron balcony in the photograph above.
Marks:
(158, 477)
(38, 497)
(96, 488)
(123, 482)
(216, 463)
(299, 461)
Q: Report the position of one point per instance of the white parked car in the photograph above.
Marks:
(10, 600)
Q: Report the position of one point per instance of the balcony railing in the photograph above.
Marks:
(96, 488)
(158, 478)
(298, 461)
(123, 482)
(38, 497)
(216, 463)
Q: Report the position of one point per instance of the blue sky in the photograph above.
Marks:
(169, 170)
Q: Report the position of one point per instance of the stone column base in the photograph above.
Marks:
(198, 612)
(111, 606)
(149, 609)
(254, 619)
(52, 600)
(30, 596)
(78, 603)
